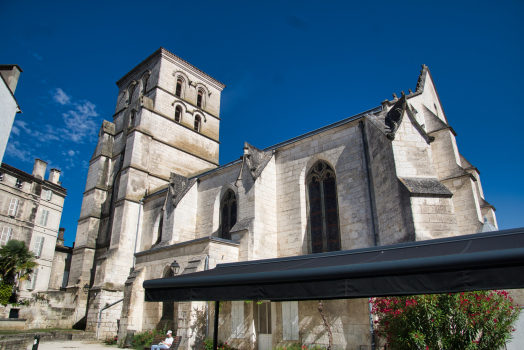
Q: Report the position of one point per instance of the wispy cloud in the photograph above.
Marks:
(80, 122)
(16, 150)
(60, 96)
(35, 55)
(15, 130)
(49, 133)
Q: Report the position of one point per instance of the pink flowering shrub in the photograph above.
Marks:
(459, 321)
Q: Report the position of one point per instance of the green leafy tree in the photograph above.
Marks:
(458, 321)
(17, 263)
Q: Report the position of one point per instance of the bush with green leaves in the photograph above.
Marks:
(460, 321)
(5, 292)
(17, 263)
(142, 339)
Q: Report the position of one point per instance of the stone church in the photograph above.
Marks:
(157, 204)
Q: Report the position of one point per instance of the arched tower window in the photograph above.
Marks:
(228, 214)
(197, 123)
(145, 79)
(178, 114)
(324, 230)
(200, 98)
(179, 83)
(130, 91)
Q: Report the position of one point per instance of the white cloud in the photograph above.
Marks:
(49, 133)
(61, 97)
(80, 122)
(35, 55)
(16, 150)
(15, 130)
(71, 152)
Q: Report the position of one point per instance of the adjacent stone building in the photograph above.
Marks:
(157, 203)
(9, 74)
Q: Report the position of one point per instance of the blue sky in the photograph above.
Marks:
(289, 66)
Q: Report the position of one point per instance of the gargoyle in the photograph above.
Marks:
(394, 117)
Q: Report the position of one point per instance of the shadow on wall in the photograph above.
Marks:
(198, 327)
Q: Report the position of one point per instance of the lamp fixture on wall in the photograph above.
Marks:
(176, 267)
(86, 288)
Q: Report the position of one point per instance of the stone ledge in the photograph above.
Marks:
(210, 239)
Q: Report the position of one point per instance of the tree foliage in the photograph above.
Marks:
(459, 321)
(16, 264)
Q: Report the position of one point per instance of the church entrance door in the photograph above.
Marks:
(264, 326)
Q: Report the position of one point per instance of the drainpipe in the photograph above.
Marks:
(364, 143)
(100, 316)
(137, 227)
(206, 267)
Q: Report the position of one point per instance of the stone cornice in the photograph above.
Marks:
(11, 170)
(209, 239)
(442, 129)
(161, 52)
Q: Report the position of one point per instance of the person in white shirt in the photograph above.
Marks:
(166, 344)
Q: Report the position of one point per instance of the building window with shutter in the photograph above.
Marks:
(178, 114)
(43, 217)
(13, 207)
(290, 329)
(39, 244)
(228, 214)
(31, 280)
(197, 123)
(323, 225)
(48, 195)
(19, 183)
(237, 319)
(7, 234)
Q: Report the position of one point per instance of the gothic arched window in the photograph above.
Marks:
(197, 123)
(179, 83)
(159, 228)
(178, 114)
(228, 214)
(130, 91)
(324, 231)
(200, 98)
(145, 79)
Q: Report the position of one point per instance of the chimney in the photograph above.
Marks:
(11, 73)
(60, 238)
(39, 169)
(54, 175)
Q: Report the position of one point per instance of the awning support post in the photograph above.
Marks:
(215, 328)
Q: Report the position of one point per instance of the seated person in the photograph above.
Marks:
(166, 344)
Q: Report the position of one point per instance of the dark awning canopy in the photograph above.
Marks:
(492, 260)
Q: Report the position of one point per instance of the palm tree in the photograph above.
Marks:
(17, 263)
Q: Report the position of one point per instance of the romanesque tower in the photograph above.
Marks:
(166, 121)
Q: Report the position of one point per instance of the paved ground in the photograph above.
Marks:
(74, 344)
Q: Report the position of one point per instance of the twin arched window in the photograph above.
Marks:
(324, 230)
(179, 86)
(200, 98)
(198, 123)
(228, 214)
(178, 114)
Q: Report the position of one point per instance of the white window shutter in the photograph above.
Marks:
(237, 319)
(31, 282)
(7, 234)
(49, 195)
(39, 243)
(286, 320)
(43, 217)
(294, 320)
(13, 207)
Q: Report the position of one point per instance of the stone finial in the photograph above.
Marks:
(395, 96)
(410, 92)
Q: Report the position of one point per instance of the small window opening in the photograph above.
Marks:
(179, 87)
(200, 98)
(145, 79)
(1, 176)
(160, 227)
(19, 183)
(197, 123)
(178, 114)
(132, 119)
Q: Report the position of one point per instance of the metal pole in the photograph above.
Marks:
(215, 328)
